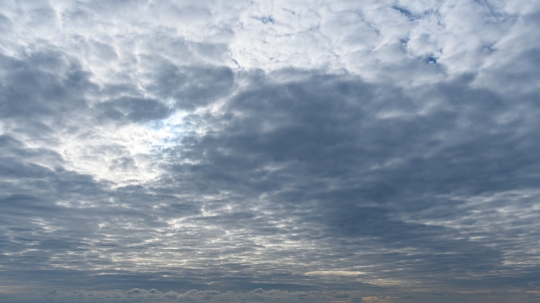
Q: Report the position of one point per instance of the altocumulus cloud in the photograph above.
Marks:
(269, 151)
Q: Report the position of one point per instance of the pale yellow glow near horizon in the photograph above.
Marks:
(335, 273)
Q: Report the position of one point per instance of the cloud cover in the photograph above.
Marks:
(376, 151)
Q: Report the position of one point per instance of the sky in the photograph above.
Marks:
(270, 151)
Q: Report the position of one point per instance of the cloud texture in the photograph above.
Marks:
(276, 151)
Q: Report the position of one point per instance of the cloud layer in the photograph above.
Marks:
(375, 151)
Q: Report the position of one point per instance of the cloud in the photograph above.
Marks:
(269, 151)
(143, 295)
(134, 109)
(317, 142)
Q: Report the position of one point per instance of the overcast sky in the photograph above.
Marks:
(270, 151)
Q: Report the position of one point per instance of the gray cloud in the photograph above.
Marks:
(347, 175)
(188, 87)
(246, 152)
(134, 109)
